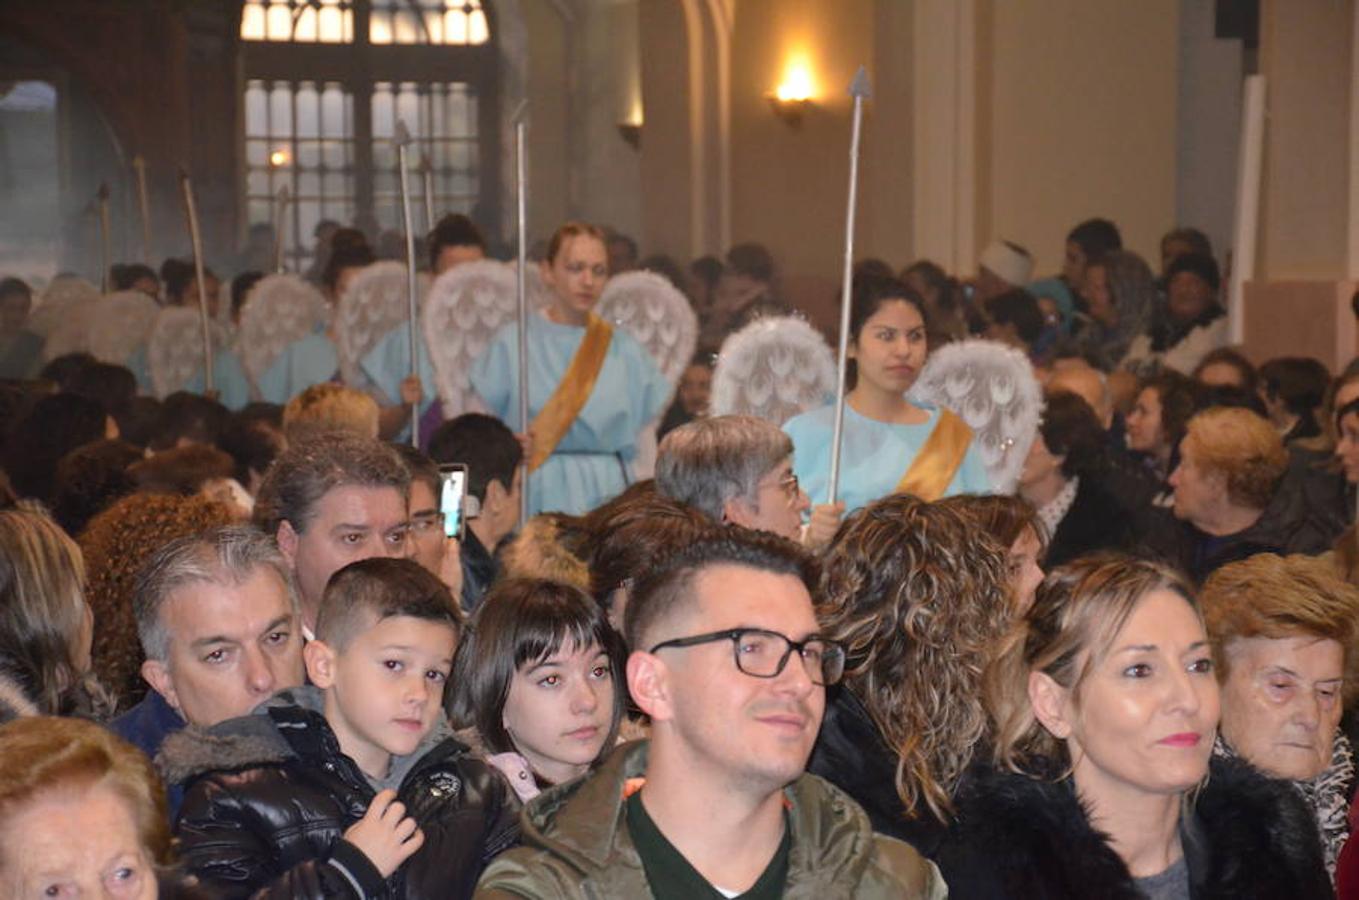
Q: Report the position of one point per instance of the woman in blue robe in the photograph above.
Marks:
(592, 461)
(885, 433)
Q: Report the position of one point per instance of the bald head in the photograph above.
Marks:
(1087, 383)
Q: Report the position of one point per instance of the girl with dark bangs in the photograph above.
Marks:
(535, 682)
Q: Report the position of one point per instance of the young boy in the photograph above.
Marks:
(351, 786)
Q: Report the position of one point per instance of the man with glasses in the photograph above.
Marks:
(738, 470)
(329, 500)
(717, 803)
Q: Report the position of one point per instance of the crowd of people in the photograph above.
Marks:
(247, 649)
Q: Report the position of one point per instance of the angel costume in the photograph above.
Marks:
(591, 463)
(873, 457)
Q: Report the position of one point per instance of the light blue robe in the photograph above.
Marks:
(228, 377)
(593, 461)
(304, 362)
(873, 456)
(389, 363)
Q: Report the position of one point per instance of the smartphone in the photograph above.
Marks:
(452, 498)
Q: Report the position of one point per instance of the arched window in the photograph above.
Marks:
(326, 81)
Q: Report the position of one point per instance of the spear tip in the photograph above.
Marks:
(860, 87)
(403, 135)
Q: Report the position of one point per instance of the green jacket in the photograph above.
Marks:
(576, 845)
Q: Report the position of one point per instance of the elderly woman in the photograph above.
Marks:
(1283, 630)
(1105, 710)
(917, 588)
(82, 814)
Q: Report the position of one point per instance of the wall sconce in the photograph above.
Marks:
(793, 97)
(631, 133)
(279, 158)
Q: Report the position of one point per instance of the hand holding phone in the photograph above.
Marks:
(452, 497)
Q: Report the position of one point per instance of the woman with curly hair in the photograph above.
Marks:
(1014, 523)
(1104, 783)
(918, 596)
(116, 543)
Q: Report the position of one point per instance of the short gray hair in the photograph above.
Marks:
(225, 556)
(709, 461)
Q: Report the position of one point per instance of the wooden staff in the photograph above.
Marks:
(196, 238)
(859, 90)
(403, 142)
(280, 220)
(144, 206)
(105, 249)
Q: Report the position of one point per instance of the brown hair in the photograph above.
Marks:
(311, 468)
(1002, 516)
(117, 543)
(42, 605)
(918, 597)
(631, 531)
(1078, 612)
(1242, 446)
(571, 230)
(329, 405)
(371, 590)
(41, 755)
(1275, 597)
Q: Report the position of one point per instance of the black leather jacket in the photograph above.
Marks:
(269, 796)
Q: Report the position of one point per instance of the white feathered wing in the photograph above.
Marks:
(174, 350)
(120, 324)
(279, 310)
(373, 304)
(993, 389)
(775, 368)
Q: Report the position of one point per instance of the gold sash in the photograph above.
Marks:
(566, 402)
(934, 466)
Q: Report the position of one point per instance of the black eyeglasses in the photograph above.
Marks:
(763, 654)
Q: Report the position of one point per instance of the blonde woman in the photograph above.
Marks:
(1106, 707)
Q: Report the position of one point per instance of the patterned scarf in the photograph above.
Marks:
(1327, 795)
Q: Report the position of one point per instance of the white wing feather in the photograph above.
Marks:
(63, 294)
(119, 325)
(280, 309)
(174, 351)
(656, 314)
(775, 368)
(374, 303)
(993, 389)
(467, 305)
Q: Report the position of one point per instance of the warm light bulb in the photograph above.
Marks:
(797, 82)
(278, 158)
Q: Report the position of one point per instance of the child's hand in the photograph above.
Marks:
(385, 834)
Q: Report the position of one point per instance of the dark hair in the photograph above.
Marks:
(190, 417)
(55, 426)
(344, 255)
(631, 531)
(934, 275)
(1226, 356)
(1226, 395)
(420, 466)
(878, 268)
(379, 588)
(311, 468)
(453, 230)
(1180, 398)
(1019, 308)
(1070, 428)
(182, 470)
(1198, 241)
(252, 443)
(485, 444)
(123, 276)
(707, 269)
(241, 286)
(668, 585)
(1299, 382)
(140, 422)
(111, 386)
(752, 260)
(1096, 237)
(521, 622)
(175, 274)
(1201, 265)
(1349, 409)
(12, 285)
(667, 268)
(63, 368)
(869, 292)
(89, 479)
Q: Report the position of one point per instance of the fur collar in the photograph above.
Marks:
(1244, 835)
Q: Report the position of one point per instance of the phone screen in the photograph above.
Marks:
(453, 492)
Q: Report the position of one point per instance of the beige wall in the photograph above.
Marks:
(1304, 211)
(549, 110)
(1083, 103)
